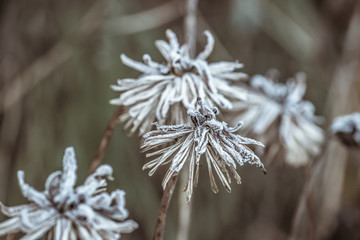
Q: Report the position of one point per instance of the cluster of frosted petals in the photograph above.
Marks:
(166, 90)
(347, 128)
(64, 211)
(278, 115)
(183, 145)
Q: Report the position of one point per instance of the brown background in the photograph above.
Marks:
(58, 59)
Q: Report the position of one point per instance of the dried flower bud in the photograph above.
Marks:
(347, 129)
(165, 90)
(222, 149)
(277, 114)
(64, 211)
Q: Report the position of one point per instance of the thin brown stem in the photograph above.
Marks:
(99, 155)
(164, 205)
(310, 208)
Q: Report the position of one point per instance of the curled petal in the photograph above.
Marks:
(30, 193)
(136, 65)
(172, 39)
(209, 46)
(68, 176)
(10, 226)
(15, 211)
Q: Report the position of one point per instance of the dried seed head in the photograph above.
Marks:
(278, 115)
(221, 147)
(83, 212)
(347, 129)
(166, 90)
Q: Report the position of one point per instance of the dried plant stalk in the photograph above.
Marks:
(184, 213)
(190, 24)
(99, 155)
(164, 205)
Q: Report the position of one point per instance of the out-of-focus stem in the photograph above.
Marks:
(184, 213)
(190, 25)
(99, 155)
(164, 205)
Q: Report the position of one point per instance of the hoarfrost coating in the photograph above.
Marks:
(65, 212)
(278, 115)
(347, 128)
(166, 90)
(221, 147)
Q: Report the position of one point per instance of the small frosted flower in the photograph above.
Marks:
(166, 90)
(186, 144)
(285, 122)
(64, 211)
(347, 128)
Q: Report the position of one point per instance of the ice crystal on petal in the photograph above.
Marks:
(165, 90)
(63, 211)
(347, 128)
(207, 136)
(278, 115)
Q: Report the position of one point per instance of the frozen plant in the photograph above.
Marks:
(166, 90)
(278, 115)
(64, 211)
(347, 128)
(186, 144)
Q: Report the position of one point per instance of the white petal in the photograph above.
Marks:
(30, 193)
(136, 65)
(208, 48)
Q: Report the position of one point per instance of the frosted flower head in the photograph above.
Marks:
(64, 211)
(207, 136)
(166, 90)
(286, 123)
(347, 129)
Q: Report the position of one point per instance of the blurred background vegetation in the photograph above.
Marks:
(58, 59)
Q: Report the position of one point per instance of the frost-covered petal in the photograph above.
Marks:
(347, 128)
(62, 229)
(40, 231)
(52, 184)
(68, 176)
(209, 46)
(30, 220)
(136, 65)
(11, 225)
(30, 193)
(15, 211)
